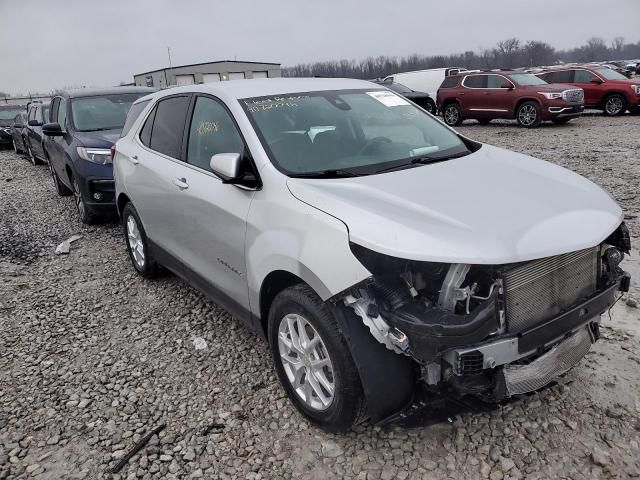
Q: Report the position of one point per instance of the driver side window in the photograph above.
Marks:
(62, 114)
(582, 76)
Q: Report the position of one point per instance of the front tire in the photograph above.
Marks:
(137, 242)
(31, 156)
(60, 187)
(313, 361)
(84, 213)
(452, 114)
(430, 106)
(528, 115)
(614, 105)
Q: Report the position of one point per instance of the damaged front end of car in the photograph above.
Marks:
(492, 331)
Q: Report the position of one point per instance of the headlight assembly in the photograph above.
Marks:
(101, 156)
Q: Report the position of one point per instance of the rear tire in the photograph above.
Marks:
(452, 114)
(140, 253)
(330, 396)
(614, 105)
(528, 115)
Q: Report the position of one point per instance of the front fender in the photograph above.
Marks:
(286, 234)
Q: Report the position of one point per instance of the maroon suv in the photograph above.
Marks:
(604, 89)
(487, 95)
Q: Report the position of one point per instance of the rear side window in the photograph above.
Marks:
(565, 76)
(145, 133)
(168, 126)
(450, 82)
(476, 81)
(496, 81)
(132, 116)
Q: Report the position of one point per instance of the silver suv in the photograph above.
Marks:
(381, 253)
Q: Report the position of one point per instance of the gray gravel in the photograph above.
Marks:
(92, 358)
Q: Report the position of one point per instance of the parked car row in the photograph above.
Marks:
(557, 94)
(383, 256)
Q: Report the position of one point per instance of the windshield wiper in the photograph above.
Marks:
(331, 173)
(423, 160)
(98, 129)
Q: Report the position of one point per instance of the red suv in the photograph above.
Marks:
(604, 89)
(487, 95)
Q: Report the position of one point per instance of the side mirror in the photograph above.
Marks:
(52, 129)
(226, 166)
(596, 80)
(34, 123)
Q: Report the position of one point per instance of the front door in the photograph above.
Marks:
(501, 98)
(57, 146)
(215, 213)
(591, 84)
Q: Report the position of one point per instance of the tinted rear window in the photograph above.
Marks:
(476, 81)
(132, 116)
(450, 82)
(168, 126)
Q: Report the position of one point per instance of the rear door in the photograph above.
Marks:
(474, 96)
(150, 171)
(215, 213)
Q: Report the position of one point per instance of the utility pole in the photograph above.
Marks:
(170, 65)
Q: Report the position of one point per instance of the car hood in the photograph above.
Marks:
(103, 139)
(552, 87)
(5, 123)
(490, 207)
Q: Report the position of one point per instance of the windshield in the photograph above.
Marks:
(9, 114)
(106, 112)
(610, 74)
(526, 79)
(363, 131)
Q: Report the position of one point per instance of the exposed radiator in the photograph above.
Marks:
(541, 289)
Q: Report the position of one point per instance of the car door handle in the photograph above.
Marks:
(181, 183)
(133, 159)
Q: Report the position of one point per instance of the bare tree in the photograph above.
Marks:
(617, 44)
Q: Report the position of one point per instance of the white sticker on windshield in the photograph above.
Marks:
(388, 99)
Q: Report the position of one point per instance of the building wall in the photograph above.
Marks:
(167, 77)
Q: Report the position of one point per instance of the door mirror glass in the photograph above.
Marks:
(52, 129)
(227, 166)
(34, 123)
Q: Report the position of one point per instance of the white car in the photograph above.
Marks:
(376, 249)
(427, 81)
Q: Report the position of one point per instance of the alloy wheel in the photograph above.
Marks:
(527, 115)
(306, 362)
(614, 105)
(451, 115)
(135, 241)
(82, 209)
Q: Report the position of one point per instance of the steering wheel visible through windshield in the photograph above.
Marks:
(348, 132)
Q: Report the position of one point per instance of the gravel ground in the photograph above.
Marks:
(92, 358)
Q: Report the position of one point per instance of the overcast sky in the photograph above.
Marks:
(54, 44)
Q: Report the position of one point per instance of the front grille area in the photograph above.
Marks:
(575, 95)
(541, 289)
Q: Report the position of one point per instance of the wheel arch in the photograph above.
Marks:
(526, 99)
(614, 92)
(121, 202)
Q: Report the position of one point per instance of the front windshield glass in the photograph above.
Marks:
(8, 114)
(526, 79)
(360, 131)
(106, 112)
(610, 74)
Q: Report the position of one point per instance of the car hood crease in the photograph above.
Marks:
(489, 207)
